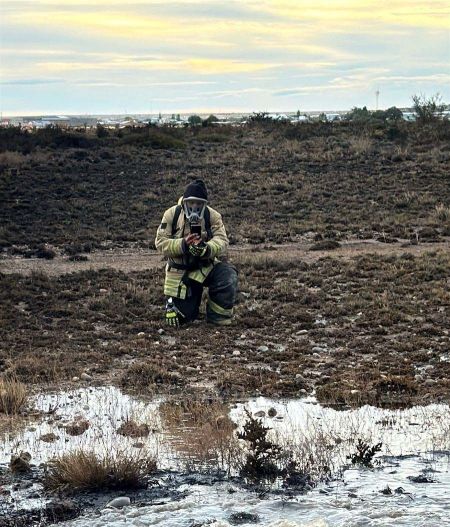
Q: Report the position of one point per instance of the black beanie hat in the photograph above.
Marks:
(196, 189)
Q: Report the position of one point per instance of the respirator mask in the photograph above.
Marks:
(194, 209)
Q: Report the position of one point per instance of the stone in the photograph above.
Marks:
(61, 509)
(77, 428)
(140, 335)
(236, 353)
(161, 331)
(260, 413)
(271, 412)
(241, 518)
(21, 463)
(119, 503)
(86, 377)
(263, 349)
(49, 438)
(132, 429)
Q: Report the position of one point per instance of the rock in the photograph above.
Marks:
(236, 353)
(61, 510)
(77, 427)
(86, 377)
(241, 518)
(263, 349)
(75, 379)
(49, 438)
(140, 335)
(271, 412)
(421, 478)
(161, 331)
(261, 413)
(21, 463)
(119, 503)
(132, 429)
(102, 291)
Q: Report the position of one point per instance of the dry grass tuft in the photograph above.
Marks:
(201, 432)
(361, 145)
(441, 213)
(87, 470)
(13, 396)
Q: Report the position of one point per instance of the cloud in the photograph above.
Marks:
(30, 82)
(255, 52)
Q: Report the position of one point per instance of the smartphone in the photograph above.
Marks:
(196, 229)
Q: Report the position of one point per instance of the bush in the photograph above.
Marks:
(194, 120)
(101, 131)
(84, 470)
(13, 396)
(15, 139)
(152, 138)
(428, 110)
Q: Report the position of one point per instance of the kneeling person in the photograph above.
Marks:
(192, 237)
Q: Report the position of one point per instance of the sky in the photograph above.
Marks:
(172, 56)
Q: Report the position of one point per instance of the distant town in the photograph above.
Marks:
(118, 121)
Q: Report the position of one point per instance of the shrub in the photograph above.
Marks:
(13, 396)
(87, 470)
(428, 110)
(263, 456)
(364, 454)
(194, 120)
(441, 213)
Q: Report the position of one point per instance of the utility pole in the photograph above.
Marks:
(377, 94)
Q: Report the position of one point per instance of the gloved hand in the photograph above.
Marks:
(199, 249)
(173, 314)
(188, 241)
(172, 318)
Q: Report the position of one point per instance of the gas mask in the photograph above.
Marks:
(194, 209)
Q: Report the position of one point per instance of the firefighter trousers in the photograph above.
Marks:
(222, 289)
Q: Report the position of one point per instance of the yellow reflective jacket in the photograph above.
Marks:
(171, 248)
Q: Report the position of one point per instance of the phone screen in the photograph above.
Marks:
(196, 229)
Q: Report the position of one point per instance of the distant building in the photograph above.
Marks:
(409, 116)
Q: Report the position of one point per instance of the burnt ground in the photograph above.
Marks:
(272, 183)
(355, 325)
(356, 328)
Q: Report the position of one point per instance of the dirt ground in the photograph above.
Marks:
(366, 322)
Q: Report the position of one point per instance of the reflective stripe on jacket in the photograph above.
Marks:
(172, 248)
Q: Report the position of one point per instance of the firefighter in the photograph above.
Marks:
(192, 237)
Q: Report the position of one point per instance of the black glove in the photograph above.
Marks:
(173, 315)
(198, 250)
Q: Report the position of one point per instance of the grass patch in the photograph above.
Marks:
(13, 395)
(87, 470)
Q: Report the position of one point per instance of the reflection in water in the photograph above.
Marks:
(201, 433)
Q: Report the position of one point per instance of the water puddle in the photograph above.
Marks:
(409, 483)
